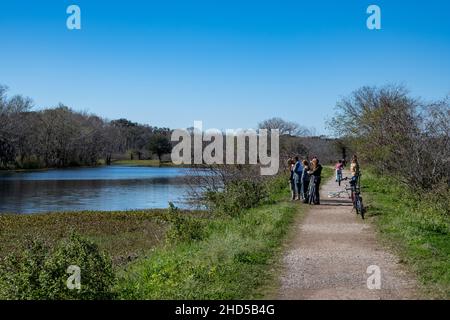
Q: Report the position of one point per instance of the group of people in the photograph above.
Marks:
(305, 178)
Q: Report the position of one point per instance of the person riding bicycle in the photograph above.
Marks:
(339, 166)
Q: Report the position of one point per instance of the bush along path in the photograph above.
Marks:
(334, 254)
(226, 256)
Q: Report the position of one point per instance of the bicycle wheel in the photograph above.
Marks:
(356, 204)
(361, 207)
(353, 197)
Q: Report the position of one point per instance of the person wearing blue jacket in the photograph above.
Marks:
(298, 172)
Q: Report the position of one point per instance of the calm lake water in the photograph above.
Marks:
(102, 188)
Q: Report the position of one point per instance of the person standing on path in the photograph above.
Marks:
(291, 165)
(354, 169)
(305, 181)
(339, 166)
(298, 171)
(316, 174)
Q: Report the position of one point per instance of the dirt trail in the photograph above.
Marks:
(330, 252)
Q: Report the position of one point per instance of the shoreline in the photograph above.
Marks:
(131, 163)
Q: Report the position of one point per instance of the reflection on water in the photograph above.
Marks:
(104, 188)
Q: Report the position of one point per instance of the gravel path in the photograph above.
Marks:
(330, 252)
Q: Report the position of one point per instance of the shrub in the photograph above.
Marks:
(97, 276)
(31, 163)
(237, 196)
(19, 275)
(182, 227)
(439, 198)
(39, 273)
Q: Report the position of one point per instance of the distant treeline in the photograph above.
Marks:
(61, 137)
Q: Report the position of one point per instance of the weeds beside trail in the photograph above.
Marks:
(234, 260)
(418, 228)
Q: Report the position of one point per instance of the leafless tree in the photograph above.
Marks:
(399, 135)
(286, 127)
(61, 137)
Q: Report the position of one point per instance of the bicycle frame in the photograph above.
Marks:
(356, 196)
(338, 194)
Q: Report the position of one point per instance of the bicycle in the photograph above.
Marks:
(355, 188)
(355, 195)
(339, 194)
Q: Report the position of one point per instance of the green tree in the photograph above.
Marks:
(159, 144)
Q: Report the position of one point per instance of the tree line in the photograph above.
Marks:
(62, 137)
(405, 138)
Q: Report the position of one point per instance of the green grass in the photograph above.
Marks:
(327, 173)
(233, 262)
(417, 229)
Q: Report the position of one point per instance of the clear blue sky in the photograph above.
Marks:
(228, 63)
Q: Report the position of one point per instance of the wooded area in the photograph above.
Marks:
(61, 137)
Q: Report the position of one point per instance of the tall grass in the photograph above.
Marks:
(417, 226)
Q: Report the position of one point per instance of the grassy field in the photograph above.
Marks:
(124, 235)
(418, 230)
(232, 262)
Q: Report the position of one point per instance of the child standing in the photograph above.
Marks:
(339, 166)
